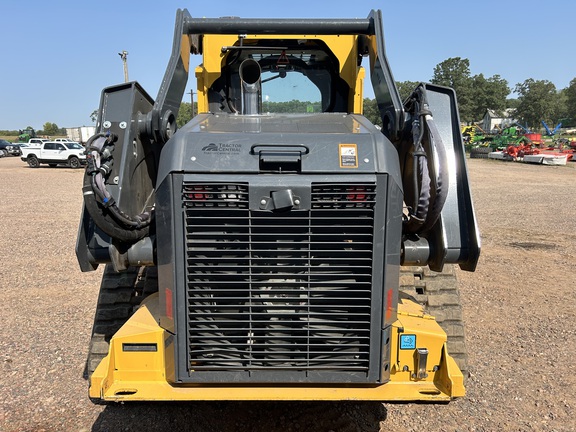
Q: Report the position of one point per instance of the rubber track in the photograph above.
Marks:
(439, 294)
(120, 294)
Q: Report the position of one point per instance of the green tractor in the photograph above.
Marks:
(511, 136)
(26, 134)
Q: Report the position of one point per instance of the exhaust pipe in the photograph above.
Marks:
(250, 78)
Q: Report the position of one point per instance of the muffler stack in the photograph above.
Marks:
(250, 76)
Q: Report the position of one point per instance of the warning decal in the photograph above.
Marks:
(348, 156)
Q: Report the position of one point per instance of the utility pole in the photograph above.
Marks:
(192, 101)
(124, 56)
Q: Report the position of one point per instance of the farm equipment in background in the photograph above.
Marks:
(565, 144)
(511, 136)
(473, 136)
(553, 132)
(531, 152)
(535, 150)
(518, 143)
(534, 155)
(561, 147)
(277, 256)
(521, 150)
(26, 134)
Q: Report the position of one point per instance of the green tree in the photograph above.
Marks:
(405, 88)
(455, 73)
(51, 128)
(512, 103)
(561, 107)
(184, 114)
(293, 106)
(488, 93)
(94, 115)
(5, 132)
(537, 102)
(570, 94)
(371, 111)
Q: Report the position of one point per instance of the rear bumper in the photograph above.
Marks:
(135, 368)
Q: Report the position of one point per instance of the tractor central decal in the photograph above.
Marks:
(348, 155)
(222, 148)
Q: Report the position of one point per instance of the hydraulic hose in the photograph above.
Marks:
(420, 174)
(440, 181)
(100, 204)
(429, 176)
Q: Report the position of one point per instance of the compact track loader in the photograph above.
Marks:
(253, 255)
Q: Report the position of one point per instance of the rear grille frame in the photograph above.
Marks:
(287, 297)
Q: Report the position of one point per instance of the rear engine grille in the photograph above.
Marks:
(288, 290)
(339, 196)
(215, 195)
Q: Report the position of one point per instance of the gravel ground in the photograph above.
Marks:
(519, 309)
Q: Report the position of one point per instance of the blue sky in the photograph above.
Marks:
(57, 56)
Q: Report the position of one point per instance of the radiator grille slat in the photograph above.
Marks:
(279, 291)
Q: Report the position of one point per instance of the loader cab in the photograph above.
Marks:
(306, 71)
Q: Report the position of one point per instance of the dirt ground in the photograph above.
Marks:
(519, 308)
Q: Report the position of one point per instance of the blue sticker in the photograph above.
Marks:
(407, 341)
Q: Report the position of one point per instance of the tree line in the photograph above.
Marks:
(49, 129)
(537, 100)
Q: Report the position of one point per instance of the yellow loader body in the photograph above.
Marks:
(134, 369)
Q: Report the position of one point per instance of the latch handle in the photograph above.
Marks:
(280, 157)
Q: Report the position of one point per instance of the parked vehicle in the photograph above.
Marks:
(37, 142)
(9, 149)
(65, 140)
(55, 153)
(80, 134)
